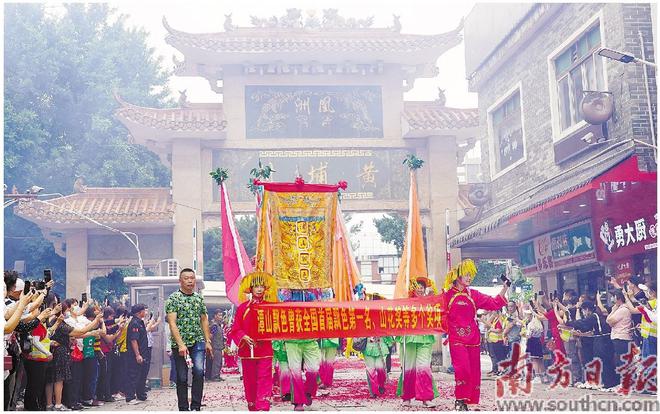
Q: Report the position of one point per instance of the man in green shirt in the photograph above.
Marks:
(190, 339)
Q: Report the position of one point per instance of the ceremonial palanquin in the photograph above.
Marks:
(302, 240)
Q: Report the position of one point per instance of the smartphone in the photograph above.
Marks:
(83, 297)
(536, 297)
(48, 275)
(26, 289)
(505, 279)
(541, 293)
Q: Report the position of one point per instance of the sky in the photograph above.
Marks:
(417, 17)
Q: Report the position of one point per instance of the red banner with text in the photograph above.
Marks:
(311, 320)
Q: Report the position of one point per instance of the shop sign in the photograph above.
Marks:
(625, 221)
(640, 234)
(558, 250)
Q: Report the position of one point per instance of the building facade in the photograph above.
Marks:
(572, 203)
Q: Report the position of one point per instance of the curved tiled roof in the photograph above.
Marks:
(206, 119)
(420, 115)
(431, 115)
(264, 40)
(106, 205)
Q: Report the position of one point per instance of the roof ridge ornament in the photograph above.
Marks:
(293, 19)
(229, 26)
(396, 27)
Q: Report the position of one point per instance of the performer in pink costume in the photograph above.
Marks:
(459, 320)
(256, 355)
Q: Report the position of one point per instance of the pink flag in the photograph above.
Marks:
(235, 261)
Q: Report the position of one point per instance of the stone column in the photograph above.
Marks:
(443, 195)
(187, 181)
(77, 280)
(443, 190)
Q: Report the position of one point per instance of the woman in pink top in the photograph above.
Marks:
(621, 322)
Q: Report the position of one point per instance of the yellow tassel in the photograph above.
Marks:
(258, 279)
(450, 277)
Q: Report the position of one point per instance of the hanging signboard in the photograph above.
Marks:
(564, 248)
(625, 220)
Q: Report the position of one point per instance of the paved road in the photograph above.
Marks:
(350, 393)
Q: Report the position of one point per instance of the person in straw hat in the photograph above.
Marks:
(459, 321)
(256, 355)
(416, 380)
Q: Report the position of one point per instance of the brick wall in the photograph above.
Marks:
(529, 66)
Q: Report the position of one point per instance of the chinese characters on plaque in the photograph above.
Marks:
(313, 111)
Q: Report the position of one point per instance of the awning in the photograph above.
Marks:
(617, 164)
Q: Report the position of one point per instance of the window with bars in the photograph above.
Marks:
(577, 69)
(506, 121)
(390, 264)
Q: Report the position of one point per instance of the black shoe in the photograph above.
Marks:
(309, 399)
(460, 405)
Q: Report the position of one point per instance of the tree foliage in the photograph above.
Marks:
(247, 229)
(60, 75)
(487, 270)
(392, 229)
(111, 286)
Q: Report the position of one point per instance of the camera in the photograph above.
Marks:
(39, 285)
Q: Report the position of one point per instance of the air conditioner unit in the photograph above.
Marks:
(169, 267)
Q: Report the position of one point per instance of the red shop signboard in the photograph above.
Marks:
(625, 219)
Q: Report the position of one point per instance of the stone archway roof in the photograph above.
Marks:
(202, 120)
(110, 206)
(431, 115)
(291, 40)
(196, 118)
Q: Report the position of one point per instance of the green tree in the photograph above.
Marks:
(487, 270)
(247, 229)
(111, 286)
(392, 229)
(60, 74)
(353, 230)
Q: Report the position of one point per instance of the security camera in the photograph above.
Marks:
(588, 138)
(35, 189)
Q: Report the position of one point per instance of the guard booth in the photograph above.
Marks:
(153, 291)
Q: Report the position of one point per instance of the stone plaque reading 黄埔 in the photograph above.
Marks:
(313, 111)
(371, 174)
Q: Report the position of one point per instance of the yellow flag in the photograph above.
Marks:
(413, 260)
(345, 272)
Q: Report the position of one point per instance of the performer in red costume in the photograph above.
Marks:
(461, 305)
(256, 355)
